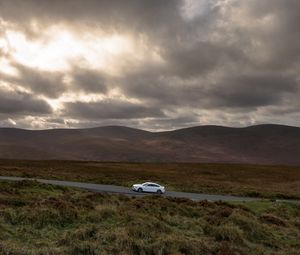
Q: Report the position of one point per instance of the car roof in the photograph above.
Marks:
(151, 183)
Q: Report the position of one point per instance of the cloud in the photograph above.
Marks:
(20, 103)
(228, 62)
(90, 81)
(252, 91)
(39, 82)
(110, 109)
(122, 14)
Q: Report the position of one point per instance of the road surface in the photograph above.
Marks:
(128, 191)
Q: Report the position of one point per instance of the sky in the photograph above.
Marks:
(155, 65)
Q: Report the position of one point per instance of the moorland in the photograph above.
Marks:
(234, 179)
(44, 219)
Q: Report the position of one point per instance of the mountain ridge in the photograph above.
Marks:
(259, 144)
(171, 130)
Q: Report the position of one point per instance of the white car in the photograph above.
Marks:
(149, 187)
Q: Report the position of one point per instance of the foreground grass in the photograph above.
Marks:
(44, 219)
(245, 180)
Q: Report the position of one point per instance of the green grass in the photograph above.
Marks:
(43, 219)
(246, 180)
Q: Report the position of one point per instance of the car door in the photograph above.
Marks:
(147, 187)
(155, 187)
(152, 188)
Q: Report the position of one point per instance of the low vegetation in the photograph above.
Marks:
(44, 219)
(246, 180)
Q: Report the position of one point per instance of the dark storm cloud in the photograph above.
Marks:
(89, 81)
(251, 91)
(195, 60)
(115, 14)
(110, 109)
(235, 91)
(19, 103)
(39, 82)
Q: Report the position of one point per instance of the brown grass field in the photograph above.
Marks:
(247, 180)
(38, 219)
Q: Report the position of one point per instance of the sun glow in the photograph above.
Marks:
(60, 50)
(7, 68)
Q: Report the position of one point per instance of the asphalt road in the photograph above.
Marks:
(128, 191)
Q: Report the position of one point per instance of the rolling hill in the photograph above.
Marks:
(261, 144)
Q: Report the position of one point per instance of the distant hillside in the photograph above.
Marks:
(262, 144)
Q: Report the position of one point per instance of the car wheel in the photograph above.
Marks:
(140, 190)
(159, 191)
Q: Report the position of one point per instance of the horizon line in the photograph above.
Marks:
(169, 130)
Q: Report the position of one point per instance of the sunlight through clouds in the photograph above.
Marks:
(63, 48)
(7, 68)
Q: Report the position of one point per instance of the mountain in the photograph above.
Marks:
(261, 144)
